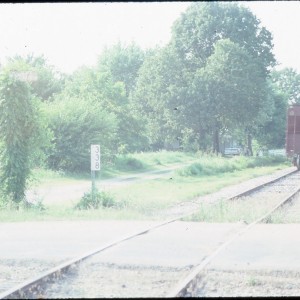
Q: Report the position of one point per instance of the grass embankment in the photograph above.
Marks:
(123, 165)
(143, 199)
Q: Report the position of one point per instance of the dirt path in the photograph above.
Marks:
(72, 192)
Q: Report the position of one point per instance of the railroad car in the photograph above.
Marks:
(292, 144)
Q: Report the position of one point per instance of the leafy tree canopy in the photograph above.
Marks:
(122, 63)
(48, 81)
(204, 23)
(271, 134)
(78, 123)
(287, 81)
(23, 131)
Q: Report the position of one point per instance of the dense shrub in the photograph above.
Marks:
(100, 199)
(77, 124)
(127, 163)
(213, 165)
(23, 133)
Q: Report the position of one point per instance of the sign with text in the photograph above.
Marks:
(95, 157)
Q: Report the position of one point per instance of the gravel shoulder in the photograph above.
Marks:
(239, 283)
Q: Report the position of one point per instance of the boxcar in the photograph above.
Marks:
(292, 144)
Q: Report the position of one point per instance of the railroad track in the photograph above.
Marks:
(287, 187)
(37, 287)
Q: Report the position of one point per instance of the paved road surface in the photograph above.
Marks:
(265, 246)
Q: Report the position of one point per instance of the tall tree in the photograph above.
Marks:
(236, 88)
(123, 64)
(204, 23)
(77, 123)
(287, 81)
(89, 85)
(156, 96)
(271, 134)
(195, 39)
(20, 130)
(48, 80)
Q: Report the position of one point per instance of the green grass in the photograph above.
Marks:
(201, 165)
(145, 199)
(43, 177)
(207, 166)
(123, 164)
(161, 193)
(163, 158)
(145, 161)
(229, 211)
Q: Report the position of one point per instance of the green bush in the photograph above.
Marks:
(101, 199)
(21, 133)
(126, 163)
(24, 205)
(213, 165)
(36, 206)
(163, 157)
(76, 124)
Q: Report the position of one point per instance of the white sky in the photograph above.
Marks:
(282, 19)
(74, 34)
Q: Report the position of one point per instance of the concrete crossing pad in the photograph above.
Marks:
(265, 246)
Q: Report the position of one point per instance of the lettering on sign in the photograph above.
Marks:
(95, 157)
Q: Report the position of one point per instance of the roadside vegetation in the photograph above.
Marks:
(148, 110)
(122, 164)
(145, 199)
(239, 210)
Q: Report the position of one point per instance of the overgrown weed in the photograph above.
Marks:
(100, 199)
(213, 165)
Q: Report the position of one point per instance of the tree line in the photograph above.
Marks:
(215, 79)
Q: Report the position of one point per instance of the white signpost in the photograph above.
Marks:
(95, 157)
(95, 165)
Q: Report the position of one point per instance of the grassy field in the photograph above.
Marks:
(123, 165)
(203, 175)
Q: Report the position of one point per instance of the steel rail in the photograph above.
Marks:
(249, 191)
(22, 290)
(190, 282)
